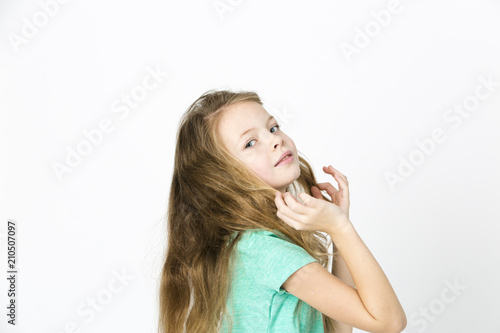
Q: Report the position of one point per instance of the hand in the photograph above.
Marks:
(316, 213)
(339, 197)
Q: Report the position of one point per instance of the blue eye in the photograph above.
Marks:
(246, 146)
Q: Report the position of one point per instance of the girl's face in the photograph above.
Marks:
(254, 138)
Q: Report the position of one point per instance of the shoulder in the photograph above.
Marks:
(269, 257)
(265, 233)
(268, 249)
(252, 238)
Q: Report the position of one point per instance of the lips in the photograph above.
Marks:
(285, 154)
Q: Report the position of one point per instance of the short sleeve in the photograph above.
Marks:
(270, 259)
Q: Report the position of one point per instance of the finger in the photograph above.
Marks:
(316, 192)
(294, 205)
(284, 209)
(329, 188)
(331, 170)
(292, 223)
(339, 177)
(308, 200)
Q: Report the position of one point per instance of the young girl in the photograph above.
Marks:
(247, 225)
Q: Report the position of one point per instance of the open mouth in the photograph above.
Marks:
(286, 157)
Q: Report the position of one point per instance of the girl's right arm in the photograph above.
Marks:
(373, 305)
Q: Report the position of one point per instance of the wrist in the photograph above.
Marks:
(342, 227)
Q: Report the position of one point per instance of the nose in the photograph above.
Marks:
(276, 141)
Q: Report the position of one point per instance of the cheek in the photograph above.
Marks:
(261, 169)
(260, 172)
(285, 136)
(290, 142)
(256, 165)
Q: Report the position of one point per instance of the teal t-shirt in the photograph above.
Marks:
(256, 301)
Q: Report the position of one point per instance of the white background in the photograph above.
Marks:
(361, 113)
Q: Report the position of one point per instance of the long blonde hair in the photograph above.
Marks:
(213, 197)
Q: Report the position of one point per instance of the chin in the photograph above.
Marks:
(292, 179)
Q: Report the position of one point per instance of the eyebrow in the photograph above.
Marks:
(250, 129)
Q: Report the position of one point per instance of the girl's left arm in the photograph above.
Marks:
(340, 270)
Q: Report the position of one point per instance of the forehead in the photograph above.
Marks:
(243, 111)
(239, 117)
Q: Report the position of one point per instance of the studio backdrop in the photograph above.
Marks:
(402, 97)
